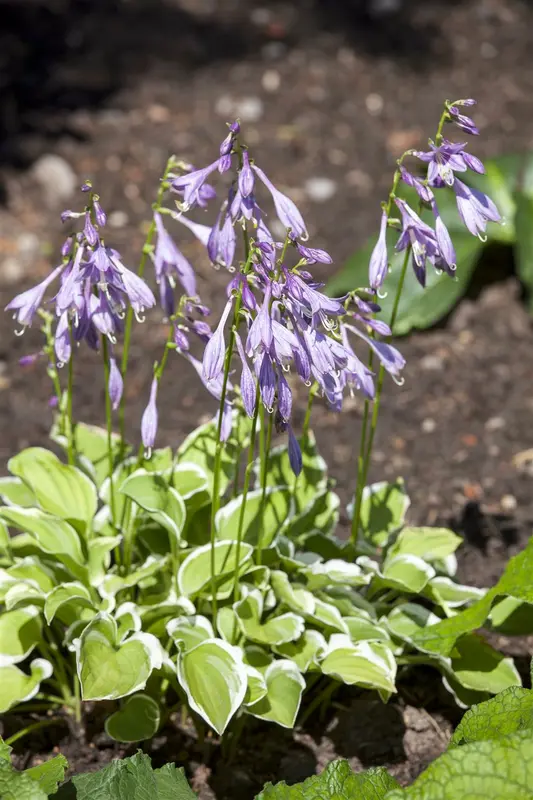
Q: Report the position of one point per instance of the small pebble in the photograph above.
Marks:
(271, 80)
(118, 219)
(495, 424)
(11, 271)
(320, 190)
(508, 503)
(428, 425)
(56, 178)
(374, 104)
(248, 109)
(431, 363)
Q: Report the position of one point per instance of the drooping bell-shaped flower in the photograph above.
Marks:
(286, 210)
(379, 260)
(190, 185)
(475, 209)
(168, 258)
(115, 384)
(149, 421)
(26, 304)
(215, 351)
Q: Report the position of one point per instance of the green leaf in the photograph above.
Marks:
(285, 686)
(336, 570)
(368, 664)
(99, 558)
(312, 479)
(49, 774)
(304, 651)
(138, 719)
(108, 670)
(477, 666)
(52, 535)
(362, 628)
(509, 712)
(407, 573)
(20, 631)
(60, 489)
(431, 544)
(130, 778)
(321, 514)
(5, 750)
(512, 617)
(215, 680)
(190, 631)
(337, 782)
(192, 483)
(14, 492)
(199, 448)
(383, 509)
(18, 687)
(515, 581)
(524, 241)
(161, 502)
(91, 449)
(262, 520)
(18, 785)
(275, 631)
(493, 770)
(194, 575)
(68, 594)
(115, 583)
(448, 593)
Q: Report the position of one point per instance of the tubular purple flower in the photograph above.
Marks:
(295, 453)
(475, 209)
(260, 333)
(215, 350)
(462, 121)
(423, 191)
(201, 232)
(167, 255)
(66, 248)
(443, 160)
(473, 163)
(89, 231)
(379, 260)
(224, 164)
(313, 255)
(248, 383)
(180, 339)
(26, 304)
(286, 210)
(137, 291)
(246, 176)
(99, 213)
(267, 382)
(390, 357)
(115, 384)
(202, 330)
(191, 185)
(62, 340)
(103, 317)
(284, 398)
(149, 420)
(227, 243)
(69, 287)
(444, 240)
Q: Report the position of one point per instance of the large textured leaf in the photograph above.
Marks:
(199, 448)
(192, 484)
(138, 719)
(215, 680)
(17, 686)
(188, 632)
(130, 778)
(509, 712)
(108, 670)
(478, 667)
(281, 703)
(262, 520)
(49, 774)
(312, 479)
(337, 782)
(501, 769)
(18, 785)
(60, 489)
(160, 501)
(91, 448)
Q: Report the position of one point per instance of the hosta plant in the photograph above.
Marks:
(214, 578)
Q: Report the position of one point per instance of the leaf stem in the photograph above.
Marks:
(43, 723)
(109, 426)
(71, 447)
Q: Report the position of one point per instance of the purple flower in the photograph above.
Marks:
(201, 232)
(313, 255)
(462, 121)
(284, 398)
(389, 356)
(89, 231)
(286, 210)
(191, 184)
(475, 209)
(62, 340)
(149, 420)
(246, 176)
(137, 291)
(267, 381)
(295, 453)
(167, 257)
(423, 191)
(99, 213)
(443, 160)
(104, 317)
(419, 236)
(26, 304)
(115, 384)
(180, 338)
(444, 241)
(260, 333)
(215, 351)
(227, 145)
(379, 260)
(248, 383)
(215, 389)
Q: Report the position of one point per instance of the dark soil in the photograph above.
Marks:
(326, 90)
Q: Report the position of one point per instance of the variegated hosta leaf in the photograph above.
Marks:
(194, 574)
(192, 484)
(228, 625)
(128, 620)
(263, 519)
(60, 489)
(408, 619)
(91, 448)
(328, 616)
(115, 583)
(159, 500)
(347, 601)
(214, 678)
(257, 687)
(190, 631)
(322, 574)
(362, 628)
(431, 544)
(368, 664)
(75, 595)
(200, 447)
(406, 573)
(321, 514)
(17, 686)
(20, 631)
(276, 630)
(305, 651)
(295, 596)
(29, 570)
(99, 558)
(22, 595)
(5, 544)
(14, 492)
(285, 686)
(155, 618)
(52, 535)
(138, 719)
(446, 592)
(383, 510)
(108, 670)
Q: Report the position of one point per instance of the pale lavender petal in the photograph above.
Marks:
(248, 383)
(215, 350)
(115, 384)
(26, 304)
(286, 210)
(444, 240)
(284, 398)
(62, 340)
(295, 453)
(139, 294)
(246, 176)
(379, 260)
(202, 232)
(267, 382)
(89, 230)
(149, 419)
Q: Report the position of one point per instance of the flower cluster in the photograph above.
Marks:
(279, 318)
(434, 244)
(95, 290)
